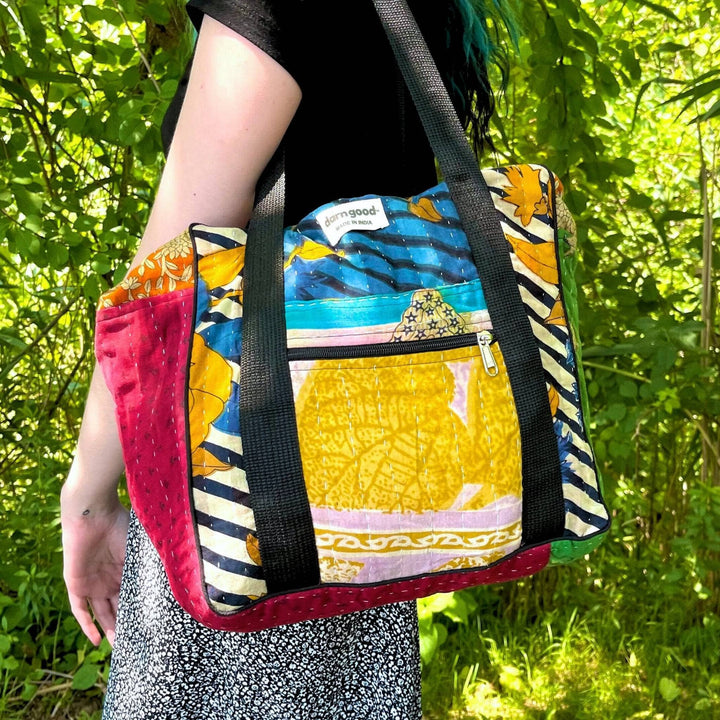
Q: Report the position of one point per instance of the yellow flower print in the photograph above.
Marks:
(525, 192)
(209, 387)
(178, 247)
(310, 250)
(147, 264)
(169, 268)
(539, 257)
(425, 209)
(130, 284)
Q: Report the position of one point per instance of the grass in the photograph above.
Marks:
(576, 649)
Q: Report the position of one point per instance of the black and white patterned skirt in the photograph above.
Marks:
(363, 666)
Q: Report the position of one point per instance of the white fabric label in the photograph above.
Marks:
(356, 215)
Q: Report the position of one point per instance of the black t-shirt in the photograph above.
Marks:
(356, 130)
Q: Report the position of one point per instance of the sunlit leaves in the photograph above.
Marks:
(79, 159)
(606, 94)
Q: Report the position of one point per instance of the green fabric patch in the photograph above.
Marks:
(567, 551)
(568, 265)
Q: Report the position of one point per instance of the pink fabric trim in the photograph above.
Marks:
(328, 600)
(499, 514)
(143, 353)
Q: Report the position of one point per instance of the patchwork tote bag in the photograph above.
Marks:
(379, 403)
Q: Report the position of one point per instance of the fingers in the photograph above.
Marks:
(106, 614)
(81, 611)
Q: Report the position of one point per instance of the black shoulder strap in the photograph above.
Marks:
(269, 431)
(543, 505)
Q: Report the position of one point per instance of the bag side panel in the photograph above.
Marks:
(231, 568)
(525, 196)
(142, 347)
(566, 551)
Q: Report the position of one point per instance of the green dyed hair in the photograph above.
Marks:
(479, 34)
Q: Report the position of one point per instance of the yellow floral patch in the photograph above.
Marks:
(209, 387)
(169, 268)
(401, 434)
(538, 257)
(525, 192)
(425, 209)
(310, 250)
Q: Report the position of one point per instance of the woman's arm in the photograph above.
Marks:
(238, 105)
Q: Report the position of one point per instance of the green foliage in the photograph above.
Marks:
(83, 89)
(567, 643)
(435, 612)
(596, 90)
(620, 99)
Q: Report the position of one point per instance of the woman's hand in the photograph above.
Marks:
(94, 553)
(94, 522)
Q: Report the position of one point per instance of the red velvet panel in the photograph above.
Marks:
(144, 356)
(326, 601)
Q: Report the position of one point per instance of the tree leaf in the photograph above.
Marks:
(669, 689)
(52, 77)
(672, 47)
(587, 41)
(8, 339)
(570, 9)
(168, 89)
(18, 91)
(714, 111)
(34, 26)
(57, 254)
(674, 215)
(132, 130)
(14, 65)
(616, 411)
(696, 91)
(94, 14)
(607, 79)
(85, 676)
(658, 8)
(28, 203)
(157, 12)
(630, 62)
(628, 389)
(624, 167)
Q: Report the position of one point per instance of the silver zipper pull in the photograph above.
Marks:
(485, 339)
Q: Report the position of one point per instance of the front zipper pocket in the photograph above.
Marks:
(484, 339)
(411, 455)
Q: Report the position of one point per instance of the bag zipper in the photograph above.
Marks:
(483, 339)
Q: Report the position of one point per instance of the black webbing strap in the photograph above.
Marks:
(543, 506)
(272, 457)
(271, 450)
